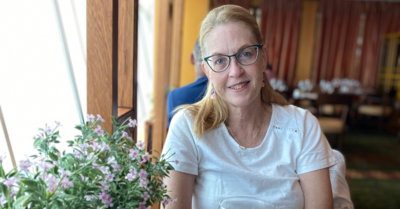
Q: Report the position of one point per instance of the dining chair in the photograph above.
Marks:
(375, 106)
(332, 111)
(340, 188)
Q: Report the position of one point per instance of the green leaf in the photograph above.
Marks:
(53, 156)
(21, 202)
(79, 127)
(37, 142)
(67, 197)
(29, 182)
(3, 188)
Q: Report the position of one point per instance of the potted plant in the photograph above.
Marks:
(98, 171)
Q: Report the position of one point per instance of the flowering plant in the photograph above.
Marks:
(100, 171)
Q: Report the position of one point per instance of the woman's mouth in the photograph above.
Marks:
(239, 86)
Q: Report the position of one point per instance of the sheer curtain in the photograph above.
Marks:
(35, 89)
(350, 39)
(280, 25)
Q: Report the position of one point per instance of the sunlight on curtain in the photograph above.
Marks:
(35, 89)
(145, 64)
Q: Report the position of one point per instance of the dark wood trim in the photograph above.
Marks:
(115, 58)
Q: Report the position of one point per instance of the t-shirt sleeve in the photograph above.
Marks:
(316, 152)
(180, 143)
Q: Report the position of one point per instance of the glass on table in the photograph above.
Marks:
(240, 202)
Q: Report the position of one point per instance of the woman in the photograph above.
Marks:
(242, 138)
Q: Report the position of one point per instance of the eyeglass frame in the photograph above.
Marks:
(235, 55)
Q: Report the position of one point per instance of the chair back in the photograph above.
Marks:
(340, 188)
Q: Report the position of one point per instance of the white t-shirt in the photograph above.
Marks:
(293, 145)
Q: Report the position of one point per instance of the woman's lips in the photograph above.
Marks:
(239, 86)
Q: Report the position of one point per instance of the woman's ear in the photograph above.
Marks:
(264, 55)
(203, 67)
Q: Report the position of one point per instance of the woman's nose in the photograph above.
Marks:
(235, 68)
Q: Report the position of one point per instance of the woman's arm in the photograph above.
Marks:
(317, 189)
(180, 186)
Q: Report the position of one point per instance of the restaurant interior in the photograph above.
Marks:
(339, 59)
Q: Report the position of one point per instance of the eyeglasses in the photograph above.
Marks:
(246, 56)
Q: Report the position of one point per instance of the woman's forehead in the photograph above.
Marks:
(228, 39)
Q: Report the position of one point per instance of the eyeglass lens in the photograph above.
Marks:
(246, 56)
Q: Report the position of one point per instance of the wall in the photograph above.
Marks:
(194, 13)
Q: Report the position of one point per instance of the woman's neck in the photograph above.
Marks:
(247, 117)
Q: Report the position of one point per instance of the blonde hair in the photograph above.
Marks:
(210, 113)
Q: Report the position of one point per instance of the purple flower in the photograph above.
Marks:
(42, 134)
(103, 186)
(142, 205)
(111, 160)
(13, 193)
(24, 165)
(116, 167)
(143, 183)
(133, 153)
(2, 200)
(34, 137)
(66, 183)
(142, 174)
(47, 130)
(2, 157)
(104, 169)
(145, 196)
(105, 147)
(65, 173)
(89, 197)
(51, 182)
(9, 182)
(78, 154)
(58, 123)
(145, 157)
(124, 134)
(130, 176)
(99, 131)
(95, 165)
(45, 165)
(109, 177)
(176, 161)
(174, 200)
(165, 201)
(106, 199)
(140, 145)
(84, 178)
(95, 145)
(90, 118)
(100, 118)
(132, 123)
(84, 147)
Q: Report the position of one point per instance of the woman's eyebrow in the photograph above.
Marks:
(240, 48)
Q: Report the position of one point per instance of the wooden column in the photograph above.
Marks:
(162, 65)
(177, 21)
(101, 61)
(112, 59)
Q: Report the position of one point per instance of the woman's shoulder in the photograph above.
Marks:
(292, 116)
(183, 116)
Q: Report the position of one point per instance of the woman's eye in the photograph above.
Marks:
(219, 61)
(245, 54)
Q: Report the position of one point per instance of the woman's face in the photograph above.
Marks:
(238, 85)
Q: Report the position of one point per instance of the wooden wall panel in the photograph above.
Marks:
(161, 72)
(99, 60)
(177, 21)
(125, 52)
